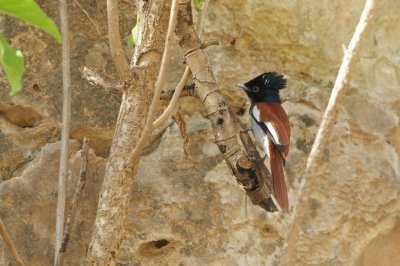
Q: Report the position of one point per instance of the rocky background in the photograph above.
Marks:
(190, 211)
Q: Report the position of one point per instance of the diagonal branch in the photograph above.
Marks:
(207, 91)
(10, 244)
(174, 100)
(114, 37)
(323, 134)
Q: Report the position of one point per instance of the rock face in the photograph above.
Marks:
(191, 211)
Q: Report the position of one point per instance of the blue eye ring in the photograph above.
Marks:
(255, 89)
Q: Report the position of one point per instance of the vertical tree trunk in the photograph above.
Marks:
(118, 181)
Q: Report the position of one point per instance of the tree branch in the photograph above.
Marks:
(207, 91)
(135, 154)
(75, 200)
(118, 182)
(323, 134)
(178, 90)
(10, 244)
(174, 100)
(263, 174)
(66, 115)
(95, 79)
(114, 37)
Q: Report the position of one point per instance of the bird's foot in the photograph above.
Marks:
(247, 129)
(257, 160)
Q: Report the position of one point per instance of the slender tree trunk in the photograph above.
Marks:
(66, 115)
(118, 181)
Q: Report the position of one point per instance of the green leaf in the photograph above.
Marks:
(30, 12)
(197, 4)
(12, 62)
(134, 33)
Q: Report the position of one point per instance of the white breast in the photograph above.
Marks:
(259, 135)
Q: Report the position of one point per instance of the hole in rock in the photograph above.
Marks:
(155, 248)
(160, 243)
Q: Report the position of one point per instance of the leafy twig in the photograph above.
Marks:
(323, 135)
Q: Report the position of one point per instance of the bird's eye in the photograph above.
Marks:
(256, 89)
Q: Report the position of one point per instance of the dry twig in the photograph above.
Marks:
(183, 130)
(95, 25)
(75, 200)
(10, 244)
(66, 115)
(174, 100)
(323, 134)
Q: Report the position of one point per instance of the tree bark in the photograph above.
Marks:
(118, 181)
(206, 89)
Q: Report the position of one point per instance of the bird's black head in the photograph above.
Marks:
(265, 87)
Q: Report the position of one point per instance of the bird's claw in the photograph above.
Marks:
(257, 160)
(247, 129)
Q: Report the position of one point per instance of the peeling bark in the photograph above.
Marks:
(118, 181)
(247, 173)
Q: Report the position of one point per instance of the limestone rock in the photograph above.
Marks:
(192, 212)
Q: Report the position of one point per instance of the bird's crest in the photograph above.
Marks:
(273, 81)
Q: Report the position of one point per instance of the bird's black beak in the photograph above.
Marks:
(242, 86)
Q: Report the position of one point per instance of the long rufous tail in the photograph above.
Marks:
(278, 177)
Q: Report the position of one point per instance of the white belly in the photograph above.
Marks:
(260, 136)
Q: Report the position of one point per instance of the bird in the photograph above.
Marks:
(270, 126)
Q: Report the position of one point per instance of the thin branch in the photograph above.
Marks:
(202, 14)
(66, 115)
(95, 79)
(114, 37)
(323, 134)
(135, 154)
(159, 131)
(178, 90)
(171, 106)
(96, 27)
(75, 200)
(10, 244)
